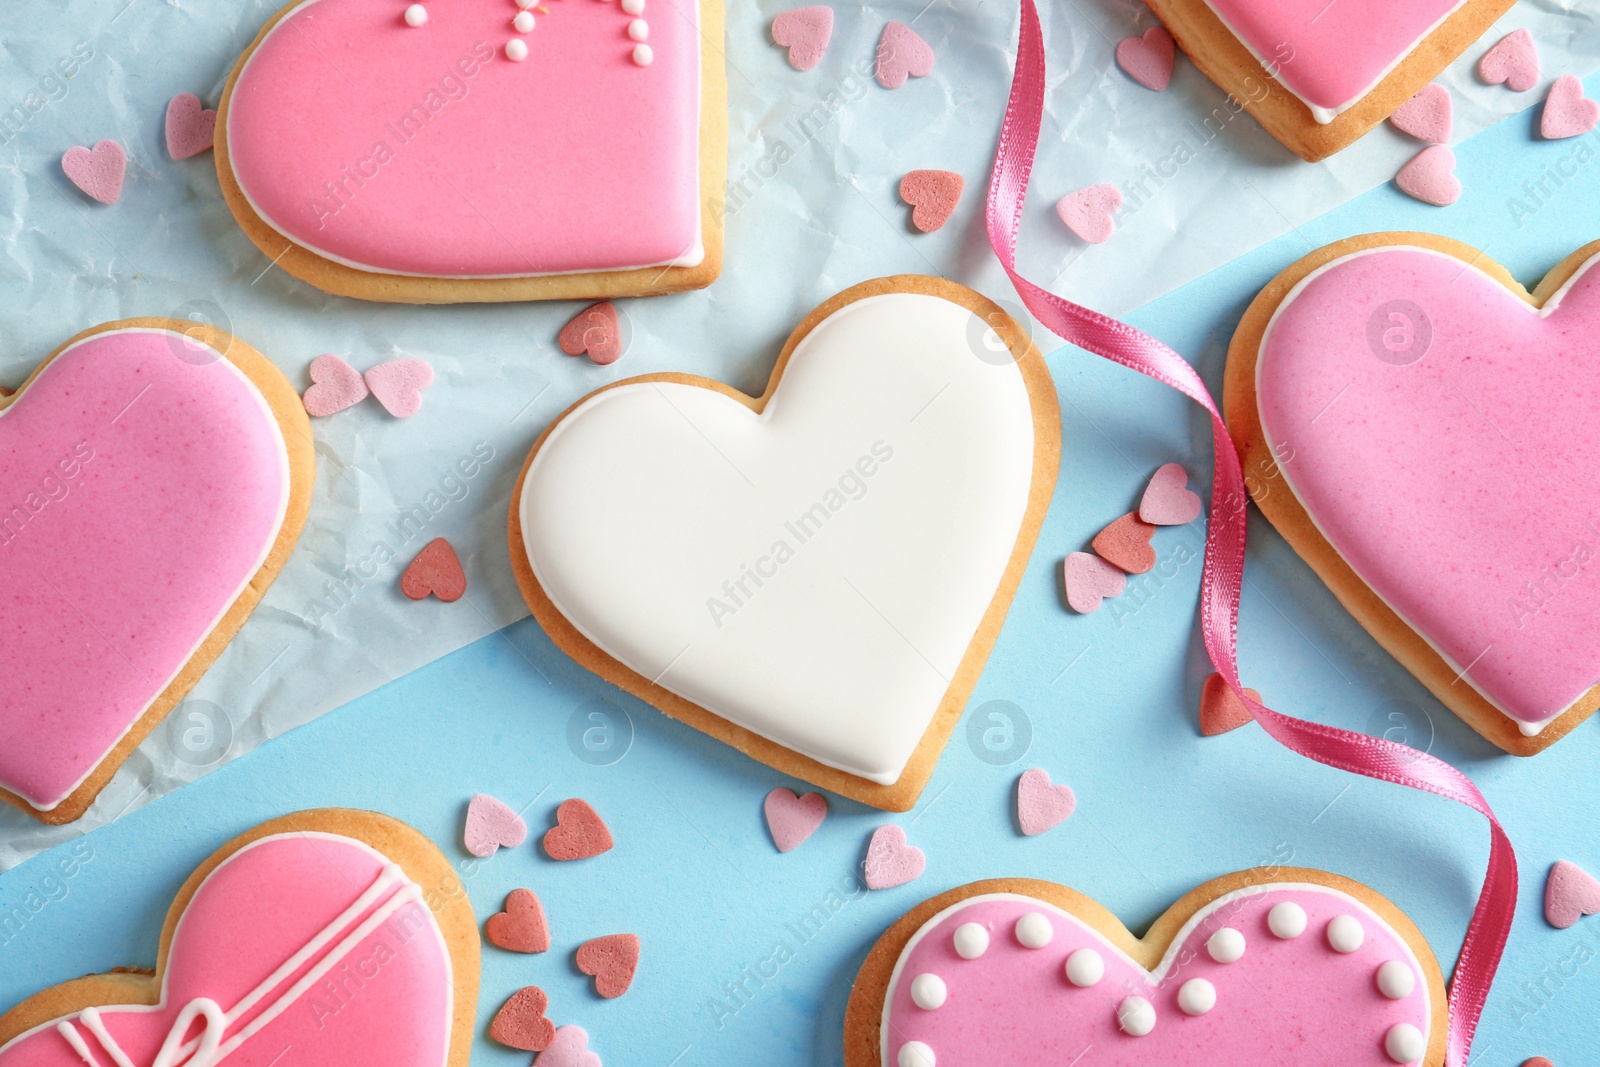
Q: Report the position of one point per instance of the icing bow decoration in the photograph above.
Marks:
(1223, 575)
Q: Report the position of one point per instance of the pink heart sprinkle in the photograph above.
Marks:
(900, 53)
(1514, 62)
(933, 196)
(190, 127)
(805, 32)
(1148, 60)
(1570, 893)
(1087, 212)
(398, 385)
(1567, 112)
(98, 171)
(1167, 500)
(1430, 177)
(791, 819)
(1426, 116)
(491, 825)
(569, 1048)
(1088, 580)
(1041, 805)
(890, 860)
(335, 385)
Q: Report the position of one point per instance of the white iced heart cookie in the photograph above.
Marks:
(815, 576)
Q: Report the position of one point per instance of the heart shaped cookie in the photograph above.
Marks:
(815, 575)
(1346, 66)
(1411, 420)
(392, 161)
(1254, 967)
(343, 934)
(154, 476)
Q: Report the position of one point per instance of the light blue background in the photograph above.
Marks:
(1110, 702)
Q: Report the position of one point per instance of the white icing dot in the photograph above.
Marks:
(1345, 933)
(1136, 1016)
(1404, 1043)
(633, 7)
(416, 15)
(1395, 980)
(523, 23)
(1197, 996)
(639, 30)
(1287, 920)
(642, 55)
(928, 991)
(1226, 945)
(1034, 930)
(1085, 968)
(915, 1054)
(516, 51)
(971, 940)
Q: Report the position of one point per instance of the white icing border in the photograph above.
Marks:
(277, 528)
(1529, 728)
(1179, 941)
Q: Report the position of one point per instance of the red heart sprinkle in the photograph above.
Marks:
(521, 1022)
(933, 195)
(521, 927)
(597, 330)
(612, 961)
(436, 570)
(1221, 709)
(578, 833)
(1126, 543)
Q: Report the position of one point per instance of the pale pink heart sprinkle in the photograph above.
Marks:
(791, 819)
(1428, 116)
(1087, 212)
(190, 127)
(1088, 580)
(398, 385)
(805, 32)
(492, 825)
(1041, 805)
(1148, 60)
(1167, 500)
(569, 1048)
(335, 385)
(890, 860)
(1567, 112)
(1430, 177)
(902, 53)
(1569, 894)
(98, 171)
(1514, 61)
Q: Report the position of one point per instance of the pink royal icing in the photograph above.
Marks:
(1005, 978)
(1435, 426)
(143, 480)
(427, 151)
(1331, 55)
(309, 941)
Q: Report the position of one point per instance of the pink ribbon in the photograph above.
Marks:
(1223, 575)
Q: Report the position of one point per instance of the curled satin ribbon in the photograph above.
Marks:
(1223, 574)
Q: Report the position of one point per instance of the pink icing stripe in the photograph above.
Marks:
(1223, 575)
(142, 484)
(425, 151)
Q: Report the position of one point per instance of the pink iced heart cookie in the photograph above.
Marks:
(492, 825)
(1513, 62)
(792, 819)
(933, 195)
(1252, 968)
(1168, 500)
(190, 126)
(1570, 893)
(1087, 580)
(1148, 60)
(1041, 805)
(902, 54)
(1426, 116)
(270, 925)
(1567, 112)
(97, 171)
(335, 385)
(805, 32)
(398, 385)
(1088, 212)
(1430, 177)
(891, 860)
(568, 1048)
(1358, 353)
